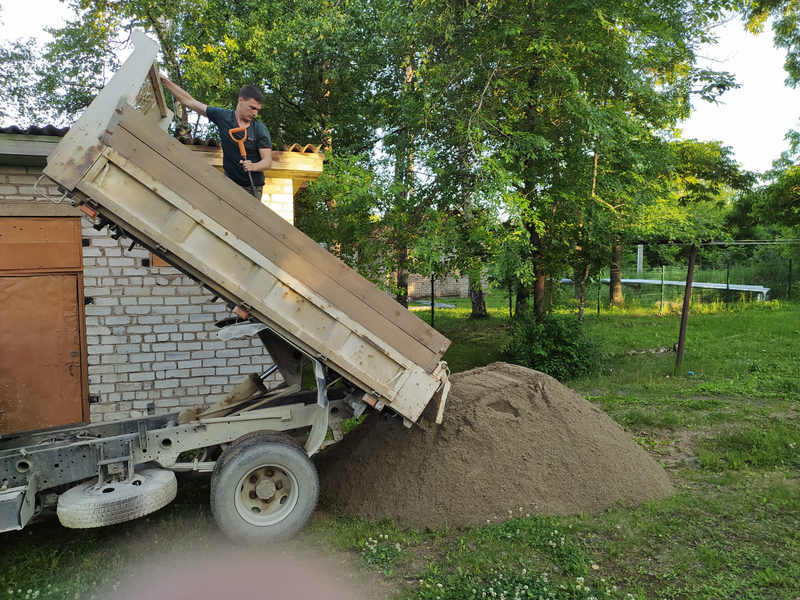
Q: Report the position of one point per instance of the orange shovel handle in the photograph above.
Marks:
(239, 141)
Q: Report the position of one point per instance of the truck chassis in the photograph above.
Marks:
(37, 469)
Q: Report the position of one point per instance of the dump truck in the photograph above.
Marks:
(122, 169)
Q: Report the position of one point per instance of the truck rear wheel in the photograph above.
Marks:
(264, 488)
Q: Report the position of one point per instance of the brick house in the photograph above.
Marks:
(92, 329)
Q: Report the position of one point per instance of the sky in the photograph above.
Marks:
(753, 120)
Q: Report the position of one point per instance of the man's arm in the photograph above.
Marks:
(262, 165)
(183, 97)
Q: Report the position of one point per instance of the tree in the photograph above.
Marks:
(15, 80)
(785, 16)
(438, 116)
(576, 92)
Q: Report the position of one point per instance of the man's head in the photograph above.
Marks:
(250, 100)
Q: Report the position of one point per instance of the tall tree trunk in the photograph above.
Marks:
(539, 293)
(583, 270)
(615, 280)
(402, 282)
(521, 302)
(539, 277)
(473, 274)
(476, 296)
(404, 175)
(584, 277)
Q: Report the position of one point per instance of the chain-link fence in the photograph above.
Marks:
(657, 290)
(662, 288)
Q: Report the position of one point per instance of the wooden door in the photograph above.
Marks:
(42, 347)
(40, 361)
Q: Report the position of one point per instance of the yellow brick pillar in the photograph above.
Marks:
(291, 170)
(279, 196)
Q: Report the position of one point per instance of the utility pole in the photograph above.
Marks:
(639, 258)
(687, 296)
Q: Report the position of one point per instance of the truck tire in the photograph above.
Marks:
(82, 506)
(263, 488)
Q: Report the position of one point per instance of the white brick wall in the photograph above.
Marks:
(449, 286)
(150, 335)
(149, 329)
(16, 185)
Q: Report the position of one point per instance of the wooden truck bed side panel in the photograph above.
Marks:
(158, 191)
(323, 272)
(151, 210)
(276, 252)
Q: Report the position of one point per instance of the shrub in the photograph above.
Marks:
(557, 345)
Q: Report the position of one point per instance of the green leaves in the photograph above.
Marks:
(440, 119)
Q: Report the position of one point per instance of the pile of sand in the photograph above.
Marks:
(512, 438)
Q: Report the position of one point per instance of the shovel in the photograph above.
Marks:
(242, 130)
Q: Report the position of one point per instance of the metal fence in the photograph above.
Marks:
(658, 290)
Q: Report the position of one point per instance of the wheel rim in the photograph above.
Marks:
(112, 489)
(266, 495)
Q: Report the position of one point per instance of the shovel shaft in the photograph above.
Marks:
(240, 141)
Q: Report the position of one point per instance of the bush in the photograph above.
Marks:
(558, 346)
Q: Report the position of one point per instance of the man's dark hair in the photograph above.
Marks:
(251, 92)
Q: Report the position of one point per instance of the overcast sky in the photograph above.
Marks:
(752, 120)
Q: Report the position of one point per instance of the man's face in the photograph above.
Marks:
(248, 109)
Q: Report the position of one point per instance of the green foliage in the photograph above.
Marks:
(706, 169)
(15, 79)
(438, 117)
(785, 16)
(557, 345)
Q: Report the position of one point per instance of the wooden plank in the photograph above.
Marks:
(295, 165)
(40, 208)
(73, 157)
(34, 245)
(161, 170)
(124, 85)
(78, 151)
(333, 272)
(158, 91)
(12, 144)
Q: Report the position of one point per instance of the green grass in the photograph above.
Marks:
(729, 436)
(768, 445)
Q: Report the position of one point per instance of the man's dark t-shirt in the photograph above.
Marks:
(257, 137)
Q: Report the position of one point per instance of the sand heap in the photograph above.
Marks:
(512, 438)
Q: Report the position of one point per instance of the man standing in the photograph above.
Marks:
(258, 144)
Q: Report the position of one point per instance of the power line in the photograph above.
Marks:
(778, 242)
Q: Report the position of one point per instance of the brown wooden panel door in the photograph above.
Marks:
(40, 352)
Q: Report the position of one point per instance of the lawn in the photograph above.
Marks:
(726, 426)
